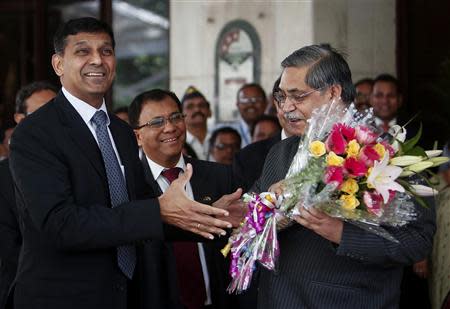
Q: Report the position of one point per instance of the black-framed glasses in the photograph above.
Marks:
(159, 122)
(280, 96)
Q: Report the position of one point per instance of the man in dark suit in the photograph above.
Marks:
(81, 195)
(28, 99)
(324, 261)
(198, 271)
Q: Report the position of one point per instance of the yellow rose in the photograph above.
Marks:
(350, 186)
(334, 160)
(349, 201)
(353, 148)
(317, 148)
(379, 148)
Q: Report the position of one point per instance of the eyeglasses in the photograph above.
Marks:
(251, 100)
(159, 122)
(280, 97)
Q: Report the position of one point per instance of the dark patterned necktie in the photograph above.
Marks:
(189, 269)
(126, 255)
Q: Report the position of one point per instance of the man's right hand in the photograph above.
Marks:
(179, 210)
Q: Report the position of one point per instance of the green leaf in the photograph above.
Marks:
(409, 144)
(416, 151)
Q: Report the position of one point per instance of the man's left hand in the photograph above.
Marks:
(328, 227)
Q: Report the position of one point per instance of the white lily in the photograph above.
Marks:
(423, 190)
(418, 167)
(406, 160)
(399, 133)
(439, 160)
(433, 153)
(382, 178)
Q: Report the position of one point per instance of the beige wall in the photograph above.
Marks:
(363, 29)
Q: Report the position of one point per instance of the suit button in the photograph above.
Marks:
(120, 287)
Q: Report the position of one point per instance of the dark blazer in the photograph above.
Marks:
(209, 182)
(249, 161)
(70, 232)
(363, 271)
(10, 236)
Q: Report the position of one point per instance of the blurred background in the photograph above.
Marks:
(217, 46)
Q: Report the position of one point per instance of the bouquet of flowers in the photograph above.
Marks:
(346, 168)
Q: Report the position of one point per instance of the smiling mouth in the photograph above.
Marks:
(95, 74)
(170, 140)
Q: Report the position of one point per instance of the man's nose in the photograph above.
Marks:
(96, 58)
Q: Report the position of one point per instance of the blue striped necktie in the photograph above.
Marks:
(126, 255)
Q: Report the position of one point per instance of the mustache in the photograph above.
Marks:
(293, 116)
(198, 114)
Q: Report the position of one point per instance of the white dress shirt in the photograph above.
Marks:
(164, 185)
(86, 112)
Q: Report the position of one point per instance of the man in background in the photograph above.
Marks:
(28, 99)
(224, 143)
(251, 102)
(197, 111)
(363, 91)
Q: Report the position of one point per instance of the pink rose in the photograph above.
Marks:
(368, 154)
(347, 132)
(355, 167)
(334, 173)
(336, 142)
(389, 148)
(365, 136)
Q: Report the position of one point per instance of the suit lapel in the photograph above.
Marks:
(149, 178)
(80, 134)
(123, 148)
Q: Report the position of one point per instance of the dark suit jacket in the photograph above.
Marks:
(249, 161)
(363, 271)
(10, 236)
(209, 182)
(70, 232)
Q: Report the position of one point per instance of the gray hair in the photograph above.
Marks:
(327, 67)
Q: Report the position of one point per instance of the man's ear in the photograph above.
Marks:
(18, 117)
(138, 137)
(57, 64)
(335, 91)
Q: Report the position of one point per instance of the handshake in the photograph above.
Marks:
(181, 211)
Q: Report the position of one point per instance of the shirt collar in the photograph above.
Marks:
(283, 134)
(85, 110)
(157, 169)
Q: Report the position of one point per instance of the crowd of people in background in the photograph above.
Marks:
(188, 274)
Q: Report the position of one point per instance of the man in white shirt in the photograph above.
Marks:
(251, 102)
(81, 195)
(160, 130)
(197, 111)
(386, 101)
